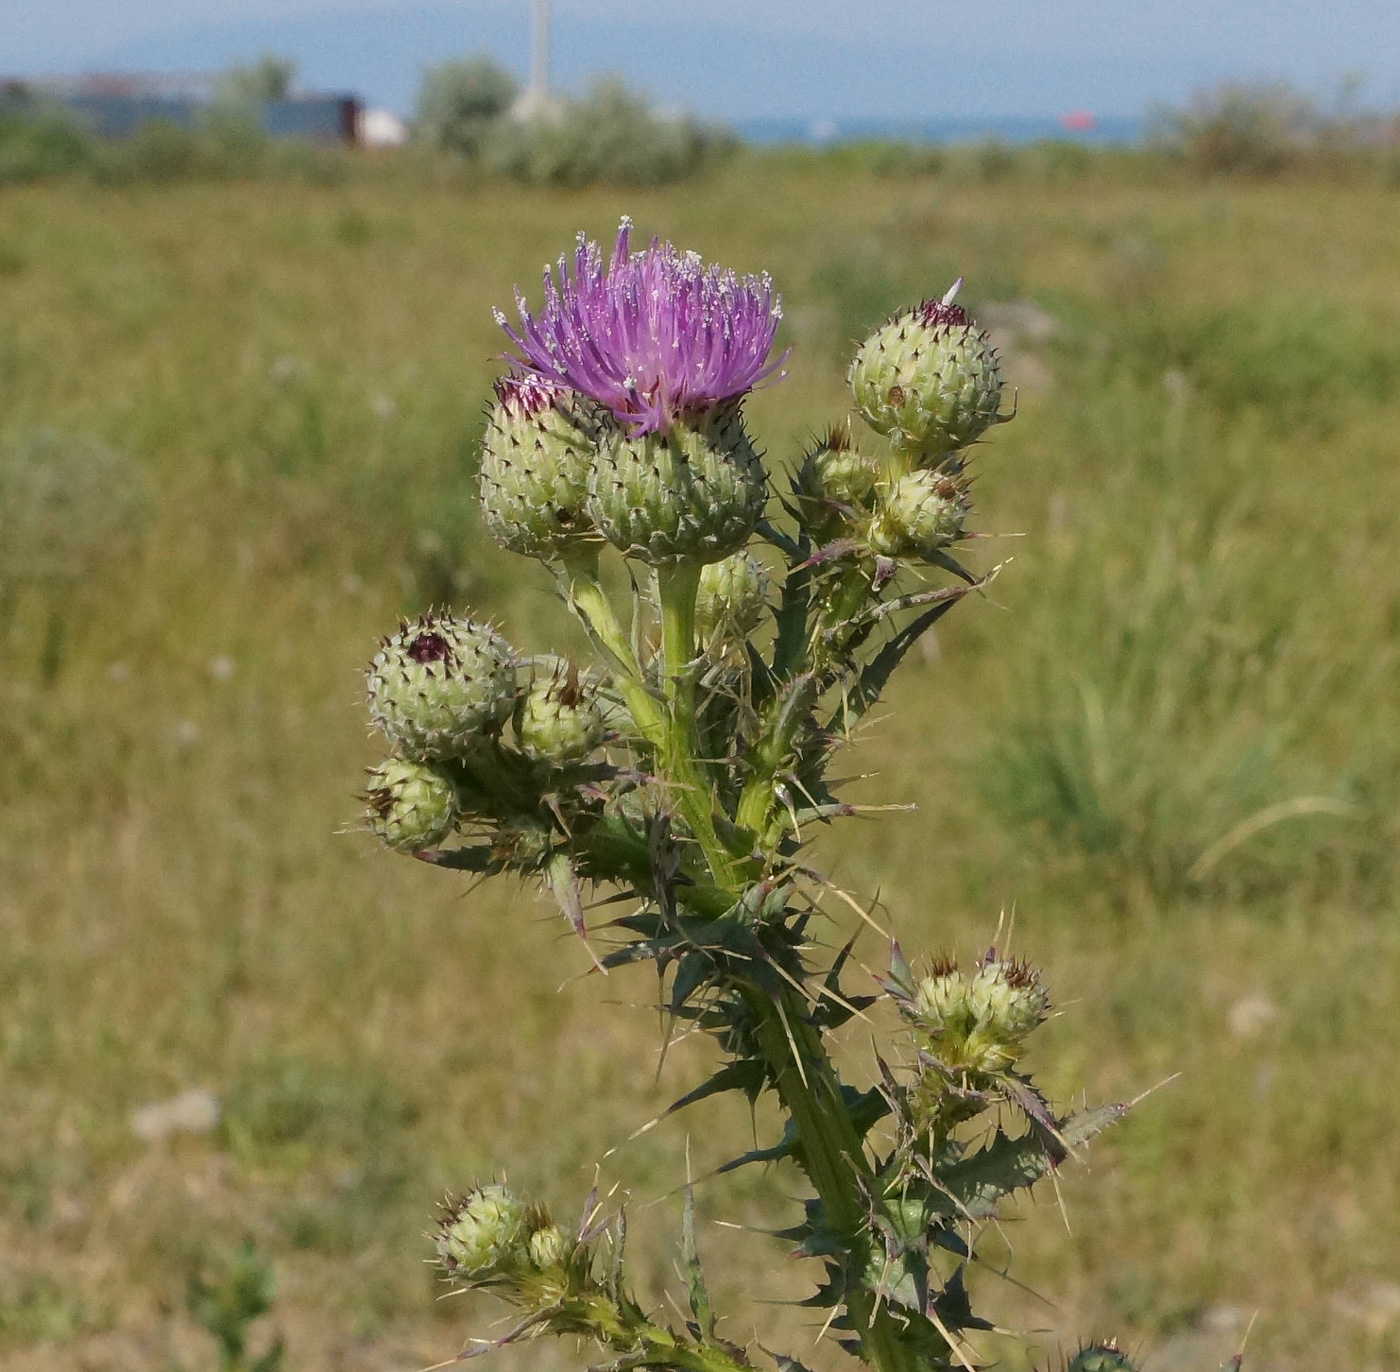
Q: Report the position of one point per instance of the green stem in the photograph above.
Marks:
(586, 597)
(677, 584)
(833, 1155)
(806, 1082)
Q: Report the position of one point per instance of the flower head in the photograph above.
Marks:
(651, 335)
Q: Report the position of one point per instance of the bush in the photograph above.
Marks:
(460, 102)
(611, 134)
(38, 141)
(159, 150)
(1249, 129)
(257, 83)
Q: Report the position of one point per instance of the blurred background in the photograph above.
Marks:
(248, 256)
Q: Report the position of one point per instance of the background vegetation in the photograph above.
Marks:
(237, 440)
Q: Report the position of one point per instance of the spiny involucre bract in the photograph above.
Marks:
(439, 684)
(929, 379)
(558, 718)
(1101, 1357)
(918, 515)
(411, 806)
(483, 1234)
(693, 491)
(535, 459)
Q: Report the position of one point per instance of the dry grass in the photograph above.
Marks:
(298, 373)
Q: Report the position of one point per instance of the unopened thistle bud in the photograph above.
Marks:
(411, 806)
(929, 379)
(549, 1247)
(1101, 1357)
(483, 1234)
(978, 1023)
(439, 684)
(732, 598)
(693, 491)
(558, 718)
(940, 1005)
(539, 446)
(918, 515)
(1008, 999)
(834, 483)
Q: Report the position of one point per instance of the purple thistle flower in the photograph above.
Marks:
(653, 336)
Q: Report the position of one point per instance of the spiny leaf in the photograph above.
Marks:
(476, 858)
(748, 1075)
(695, 1279)
(876, 674)
(786, 1147)
(974, 1184)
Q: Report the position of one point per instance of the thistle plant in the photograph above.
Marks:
(684, 771)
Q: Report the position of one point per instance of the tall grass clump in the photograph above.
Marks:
(1171, 716)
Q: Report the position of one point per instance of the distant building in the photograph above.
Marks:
(117, 104)
(381, 129)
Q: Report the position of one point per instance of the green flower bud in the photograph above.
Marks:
(559, 719)
(535, 458)
(1008, 999)
(918, 515)
(694, 491)
(483, 1234)
(929, 379)
(549, 1247)
(439, 684)
(732, 598)
(522, 843)
(978, 1023)
(940, 1006)
(410, 806)
(833, 483)
(1101, 1357)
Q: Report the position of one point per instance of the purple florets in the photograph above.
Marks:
(653, 336)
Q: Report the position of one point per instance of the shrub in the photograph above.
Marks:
(611, 134)
(38, 141)
(257, 83)
(460, 102)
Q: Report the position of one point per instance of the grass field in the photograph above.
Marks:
(1170, 741)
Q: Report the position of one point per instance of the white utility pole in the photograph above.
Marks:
(539, 57)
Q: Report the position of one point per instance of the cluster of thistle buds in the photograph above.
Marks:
(685, 770)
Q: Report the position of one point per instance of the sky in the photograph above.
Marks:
(747, 59)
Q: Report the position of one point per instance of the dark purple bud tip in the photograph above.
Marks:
(526, 394)
(429, 647)
(942, 314)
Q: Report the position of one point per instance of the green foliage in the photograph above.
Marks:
(460, 103)
(69, 506)
(229, 1303)
(40, 141)
(261, 82)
